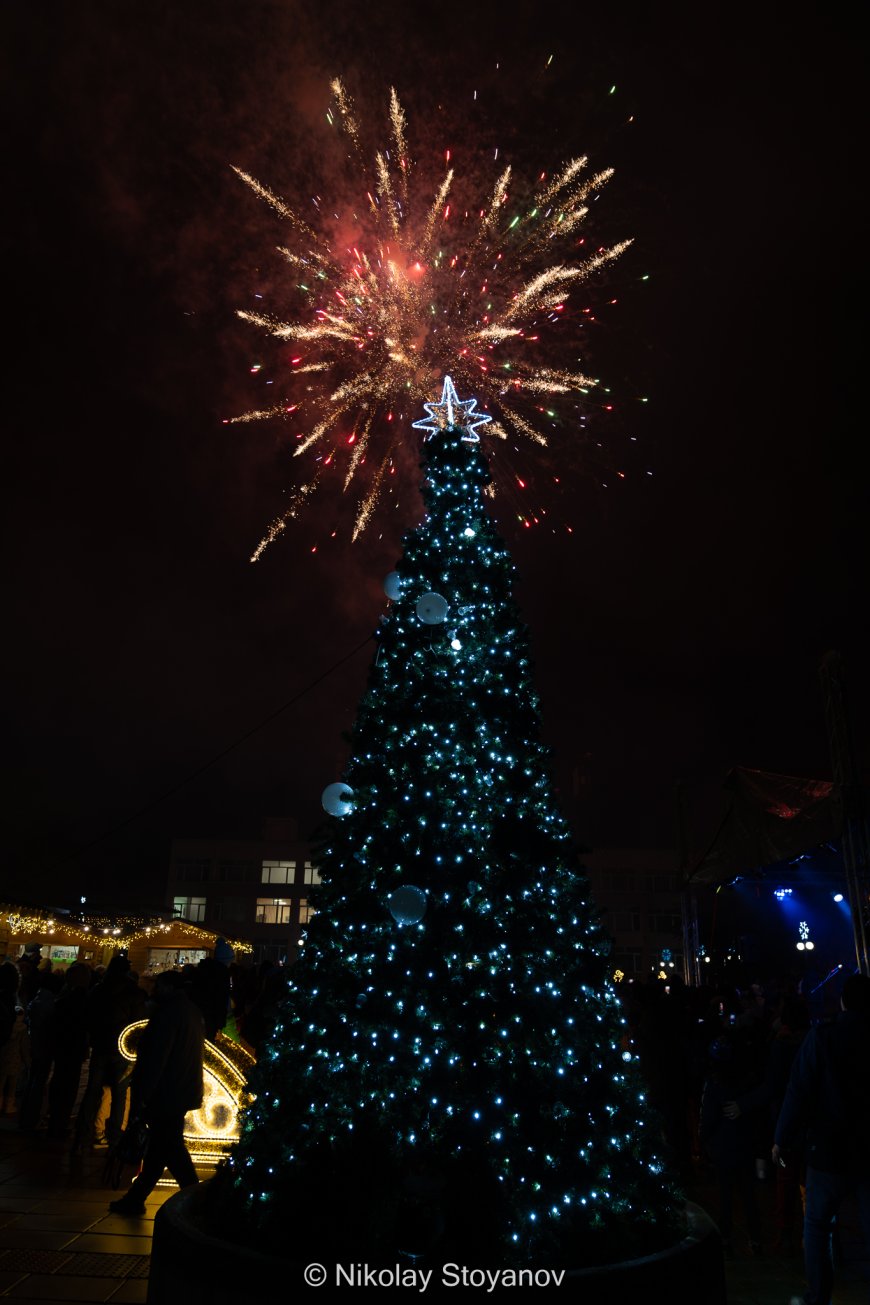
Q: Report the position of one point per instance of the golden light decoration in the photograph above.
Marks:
(114, 931)
(417, 281)
(212, 1129)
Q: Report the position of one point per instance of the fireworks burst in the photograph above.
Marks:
(428, 286)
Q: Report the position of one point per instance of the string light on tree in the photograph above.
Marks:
(449, 1070)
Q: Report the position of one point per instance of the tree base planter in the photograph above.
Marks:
(191, 1266)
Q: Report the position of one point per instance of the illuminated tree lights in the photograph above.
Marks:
(450, 1070)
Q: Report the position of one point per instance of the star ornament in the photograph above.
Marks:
(453, 411)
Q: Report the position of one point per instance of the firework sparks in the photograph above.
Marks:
(422, 291)
(280, 523)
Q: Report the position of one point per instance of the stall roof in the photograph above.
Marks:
(32, 923)
(770, 819)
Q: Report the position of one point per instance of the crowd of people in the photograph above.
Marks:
(752, 1086)
(747, 1082)
(59, 1030)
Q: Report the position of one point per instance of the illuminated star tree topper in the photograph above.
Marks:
(453, 411)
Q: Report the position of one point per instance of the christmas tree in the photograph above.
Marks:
(449, 1073)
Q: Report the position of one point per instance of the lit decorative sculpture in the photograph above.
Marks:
(212, 1129)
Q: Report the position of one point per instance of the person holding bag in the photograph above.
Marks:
(166, 1084)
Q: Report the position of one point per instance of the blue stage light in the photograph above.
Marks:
(838, 897)
(782, 893)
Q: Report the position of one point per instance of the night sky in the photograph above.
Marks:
(676, 632)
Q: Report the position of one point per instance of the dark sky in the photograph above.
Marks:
(676, 634)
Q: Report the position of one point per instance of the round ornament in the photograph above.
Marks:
(407, 904)
(393, 586)
(432, 609)
(337, 799)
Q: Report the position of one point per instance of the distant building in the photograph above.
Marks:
(256, 889)
(639, 894)
(259, 889)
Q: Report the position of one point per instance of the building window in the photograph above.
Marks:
(192, 872)
(273, 910)
(305, 910)
(189, 908)
(311, 873)
(238, 872)
(278, 872)
(672, 924)
(228, 910)
(628, 959)
(626, 922)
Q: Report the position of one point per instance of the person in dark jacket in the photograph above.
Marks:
(9, 981)
(826, 1102)
(210, 988)
(730, 1141)
(113, 1003)
(40, 1024)
(167, 1082)
(790, 1030)
(69, 1042)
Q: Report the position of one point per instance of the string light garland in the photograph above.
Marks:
(109, 930)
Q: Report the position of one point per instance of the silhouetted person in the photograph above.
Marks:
(790, 1031)
(260, 1019)
(29, 969)
(9, 980)
(69, 1038)
(167, 1082)
(210, 987)
(730, 1142)
(13, 1037)
(40, 1020)
(827, 1101)
(113, 1003)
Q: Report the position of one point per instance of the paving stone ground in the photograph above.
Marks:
(58, 1241)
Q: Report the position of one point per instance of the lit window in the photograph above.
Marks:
(189, 908)
(273, 910)
(278, 872)
(312, 874)
(305, 910)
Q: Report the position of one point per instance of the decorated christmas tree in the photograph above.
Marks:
(450, 1071)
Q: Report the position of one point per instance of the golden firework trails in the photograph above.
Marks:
(367, 507)
(406, 289)
(280, 523)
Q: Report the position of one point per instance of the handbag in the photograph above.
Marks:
(129, 1150)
